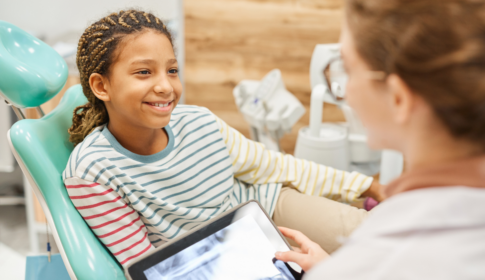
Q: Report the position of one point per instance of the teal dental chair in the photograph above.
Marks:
(31, 73)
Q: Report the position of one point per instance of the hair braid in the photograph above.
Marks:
(95, 55)
(93, 44)
(133, 17)
(109, 20)
(147, 17)
(122, 22)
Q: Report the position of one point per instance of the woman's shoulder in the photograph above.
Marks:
(412, 235)
(414, 210)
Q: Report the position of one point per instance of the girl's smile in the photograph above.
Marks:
(161, 106)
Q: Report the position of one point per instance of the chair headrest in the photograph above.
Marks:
(31, 71)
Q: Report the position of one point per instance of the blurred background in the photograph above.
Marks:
(218, 44)
(227, 41)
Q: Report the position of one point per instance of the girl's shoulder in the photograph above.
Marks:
(182, 110)
(190, 114)
(92, 149)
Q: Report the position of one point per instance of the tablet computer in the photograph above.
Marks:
(239, 244)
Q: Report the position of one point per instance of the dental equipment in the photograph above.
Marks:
(7, 163)
(342, 145)
(269, 108)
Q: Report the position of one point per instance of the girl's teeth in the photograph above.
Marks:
(161, 104)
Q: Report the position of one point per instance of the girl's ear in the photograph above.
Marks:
(98, 85)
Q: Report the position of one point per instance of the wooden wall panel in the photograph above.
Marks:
(231, 40)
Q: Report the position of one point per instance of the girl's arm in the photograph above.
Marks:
(255, 164)
(113, 221)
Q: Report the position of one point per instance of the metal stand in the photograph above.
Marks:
(40, 111)
(34, 227)
(17, 111)
(7, 163)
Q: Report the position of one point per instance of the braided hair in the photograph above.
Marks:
(95, 54)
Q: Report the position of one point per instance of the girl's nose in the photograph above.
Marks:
(163, 87)
(160, 89)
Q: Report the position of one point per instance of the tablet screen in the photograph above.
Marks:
(242, 248)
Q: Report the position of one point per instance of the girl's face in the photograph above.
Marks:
(143, 86)
(369, 98)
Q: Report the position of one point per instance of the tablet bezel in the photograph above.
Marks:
(135, 271)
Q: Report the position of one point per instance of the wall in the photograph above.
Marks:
(64, 21)
(231, 40)
(51, 18)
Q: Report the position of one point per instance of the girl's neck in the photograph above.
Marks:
(139, 140)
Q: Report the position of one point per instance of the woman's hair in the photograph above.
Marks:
(96, 53)
(436, 46)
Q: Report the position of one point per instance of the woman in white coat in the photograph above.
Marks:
(417, 80)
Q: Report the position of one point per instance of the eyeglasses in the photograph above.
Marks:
(337, 78)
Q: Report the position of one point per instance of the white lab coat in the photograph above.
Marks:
(432, 233)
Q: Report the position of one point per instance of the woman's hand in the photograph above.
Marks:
(309, 253)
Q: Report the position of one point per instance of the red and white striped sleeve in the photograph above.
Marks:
(114, 222)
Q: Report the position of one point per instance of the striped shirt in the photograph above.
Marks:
(134, 203)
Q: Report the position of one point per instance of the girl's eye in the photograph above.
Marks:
(173, 71)
(144, 72)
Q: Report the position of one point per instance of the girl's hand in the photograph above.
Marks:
(374, 191)
(309, 253)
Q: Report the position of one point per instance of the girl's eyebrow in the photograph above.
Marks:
(152, 61)
(172, 61)
(144, 61)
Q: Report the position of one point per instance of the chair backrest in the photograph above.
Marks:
(31, 71)
(42, 148)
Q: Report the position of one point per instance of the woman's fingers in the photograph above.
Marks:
(296, 249)
(296, 236)
(304, 261)
(307, 256)
(290, 256)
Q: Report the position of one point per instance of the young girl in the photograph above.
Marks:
(145, 170)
